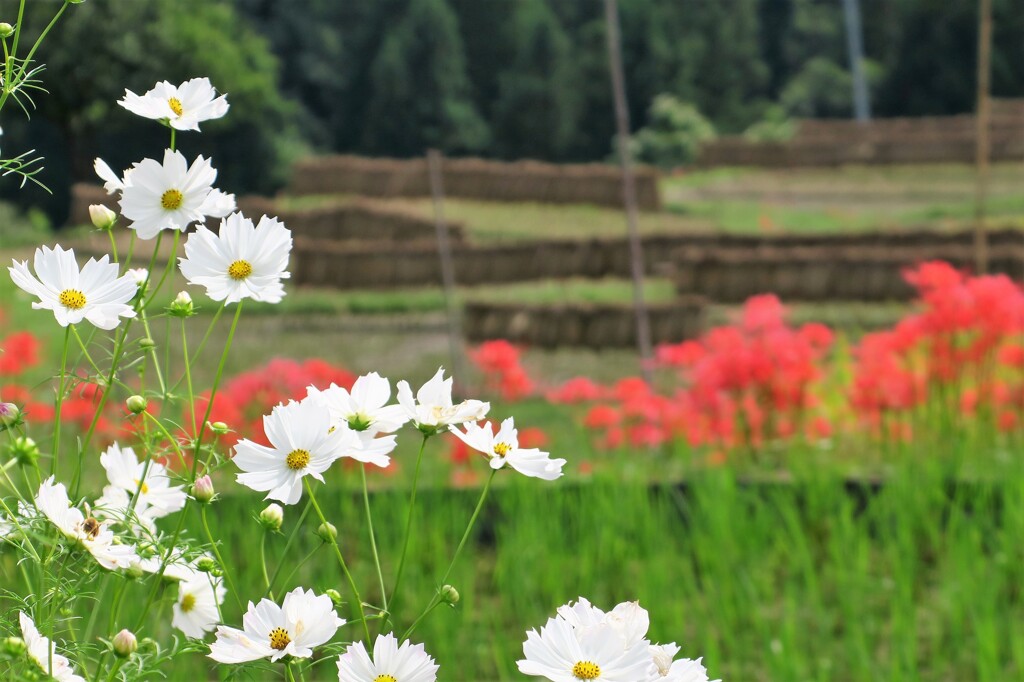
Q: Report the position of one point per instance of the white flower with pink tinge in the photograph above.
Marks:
(432, 410)
(43, 652)
(301, 623)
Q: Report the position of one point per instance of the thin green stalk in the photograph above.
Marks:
(167, 270)
(435, 600)
(202, 344)
(156, 362)
(344, 566)
(28, 58)
(60, 400)
(289, 541)
(188, 375)
(113, 243)
(408, 528)
(296, 568)
(220, 560)
(213, 391)
(373, 539)
(263, 563)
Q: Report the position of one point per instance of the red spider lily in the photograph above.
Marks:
(577, 390)
(19, 352)
(499, 362)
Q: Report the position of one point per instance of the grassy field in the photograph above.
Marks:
(775, 567)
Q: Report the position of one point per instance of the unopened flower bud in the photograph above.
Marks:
(327, 532)
(134, 571)
(218, 427)
(207, 565)
(125, 643)
(182, 306)
(25, 450)
(147, 343)
(140, 276)
(450, 595)
(272, 517)
(136, 404)
(102, 217)
(14, 646)
(6, 30)
(202, 490)
(10, 415)
(335, 597)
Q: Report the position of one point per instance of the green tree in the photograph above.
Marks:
(420, 92)
(106, 47)
(673, 134)
(537, 108)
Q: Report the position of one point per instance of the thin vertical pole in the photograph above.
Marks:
(855, 47)
(982, 143)
(636, 260)
(444, 251)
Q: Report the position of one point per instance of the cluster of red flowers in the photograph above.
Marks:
(19, 354)
(499, 362)
(963, 348)
(244, 399)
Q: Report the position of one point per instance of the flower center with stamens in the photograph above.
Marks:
(175, 104)
(188, 602)
(385, 678)
(586, 670)
(279, 639)
(240, 269)
(297, 459)
(171, 200)
(72, 298)
(502, 449)
(145, 487)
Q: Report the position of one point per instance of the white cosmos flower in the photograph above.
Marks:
(218, 204)
(563, 654)
(127, 475)
(95, 293)
(242, 261)
(302, 622)
(195, 609)
(629, 619)
(364, 408)
(182, 106)
(95, 536)
(111, 182)
(664, 669)
(43, 651)
(167, 196)
(406, 663)
(433, 410)
(503, 448)
(302, 443)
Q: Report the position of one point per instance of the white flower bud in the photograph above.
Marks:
(102, 217)
(272, 517)
(125, 643)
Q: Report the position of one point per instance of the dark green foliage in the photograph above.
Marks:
(419, 92)
(537, 108)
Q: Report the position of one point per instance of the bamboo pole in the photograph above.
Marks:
(636, 261)
(444, 252)
(982, 142)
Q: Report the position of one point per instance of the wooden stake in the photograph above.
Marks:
(982, 142)
(444, 251)
(636, 260)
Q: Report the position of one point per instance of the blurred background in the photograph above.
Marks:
(801, 490)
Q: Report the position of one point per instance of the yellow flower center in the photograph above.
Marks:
(502, 449)
(240, 269)
(586, 670)
(188, 602)
(171, 200)
(175, 105)
(279, 638)
(145, 487)
(297, 459)
(72, 298)
(385, 678)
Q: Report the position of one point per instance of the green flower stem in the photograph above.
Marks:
(220, 560)
(92, 363)
(28, 58)
(188, 375)
(156, 363)
(60, 400)
(213, 392)
(167, 270)
(113, 242)
(288, 671)
(288, 543)
(436, 599)
(408, 532)
(202, 344)
(263, 563)
(344, 566)
(373, 539)
(295, 568)
(131, 250)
